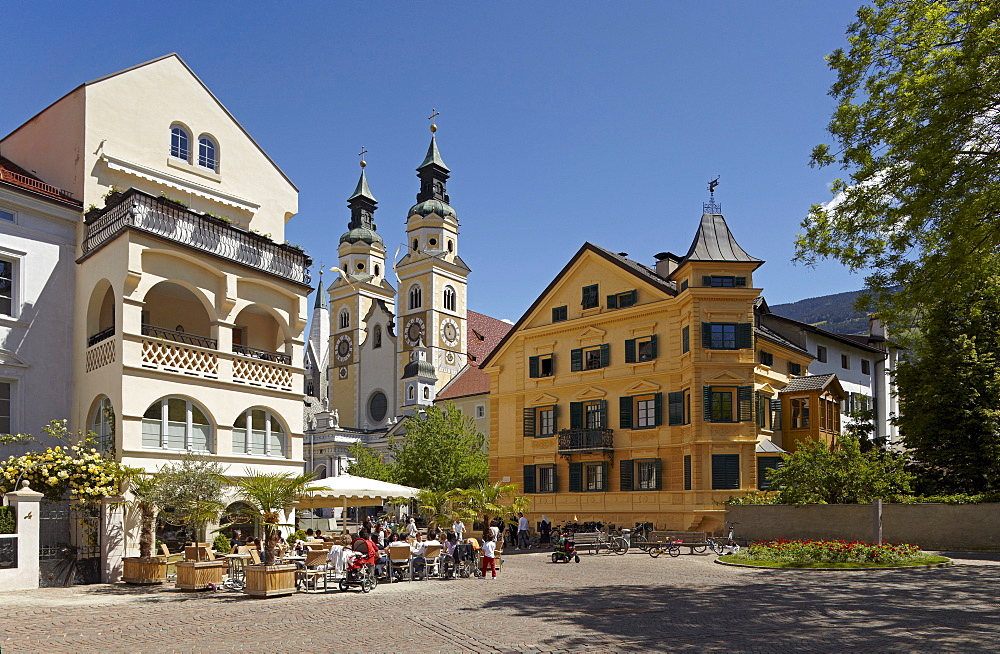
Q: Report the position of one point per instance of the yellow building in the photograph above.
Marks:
(629, 393)
(189, 308)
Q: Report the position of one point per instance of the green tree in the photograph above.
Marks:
(190, 492)
(368, 463)
(841, 474)
(949, 393)
(916, 124)
(442, 450)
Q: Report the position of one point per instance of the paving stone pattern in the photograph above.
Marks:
(607, 603)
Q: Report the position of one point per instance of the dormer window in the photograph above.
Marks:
(180, 143)
(208, 153)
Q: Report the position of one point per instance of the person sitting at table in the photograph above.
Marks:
(309, 534)
(419, 550)
(450, 543)
(319, 534)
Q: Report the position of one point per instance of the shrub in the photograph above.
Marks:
(295, 537)
(7, 524)
(835, 551)
(221, 544)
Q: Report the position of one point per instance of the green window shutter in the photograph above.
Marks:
(706, 334)
(529, 479)
(555, 479)
(658, 409)
(532, 366)
(576, 359)
(685, 339)
(744, 397)
(630, 350)
(529, 422)
(706, 280)
(741, 281)
(555, 418)
(707, 404)
(604, 476)
(725, 471)
(605, 355)
(675, 408)
(612, 301)
(744, 335)
(633, 297)
(776, 414)
(604, 414)
(625, 412)
(575, 477)
(576, 415)
(652, 343)
(658, 467)
(625, 474)
(765, 463)
(687, 472)
(759, 403)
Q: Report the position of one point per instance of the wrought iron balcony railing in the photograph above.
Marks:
(179, 337)
(586, 440)
(264, 355)
(102, 335)
(170, 220)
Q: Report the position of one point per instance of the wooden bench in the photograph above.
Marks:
(590, 540)
(690, 539)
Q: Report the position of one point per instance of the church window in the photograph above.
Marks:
(378, 405)
(180, 143)
(345, 319)
(432, 242)
(258, 432)
(208, 153)
(378, 337)
(410, 393)
(102, 423)
(361, 266)
(416, 244)
(174, 423)
(377, 270)
(449, 298)
(427, 393)
(451, 245)
(415, 297)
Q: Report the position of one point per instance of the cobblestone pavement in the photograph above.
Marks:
(606, 603)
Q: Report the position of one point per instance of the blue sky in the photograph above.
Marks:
(562, 122)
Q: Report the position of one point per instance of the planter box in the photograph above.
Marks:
(144, 571)
(197, 575)
(270, 580)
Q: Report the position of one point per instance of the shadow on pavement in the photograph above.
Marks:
(940, 609)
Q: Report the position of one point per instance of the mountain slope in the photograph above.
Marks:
(834, 313)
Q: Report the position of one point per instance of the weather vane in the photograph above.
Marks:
(362, 155)
(434, 114)
(711, 206)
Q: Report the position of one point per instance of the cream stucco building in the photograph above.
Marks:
(189, 309)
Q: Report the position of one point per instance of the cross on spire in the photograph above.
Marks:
(434, 114)
(362, 155)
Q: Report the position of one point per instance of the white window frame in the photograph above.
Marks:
(211, 142)
(187, 136)
(15, 283)
(188, 425)
(12, 390)
(10, 212)
(98, 427)
(480, 410)
(247, 433)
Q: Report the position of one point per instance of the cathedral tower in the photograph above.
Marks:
(362, 306)
(432, 283)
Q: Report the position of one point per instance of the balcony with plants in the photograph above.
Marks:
(206, 233)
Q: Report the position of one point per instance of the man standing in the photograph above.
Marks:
(522, 532)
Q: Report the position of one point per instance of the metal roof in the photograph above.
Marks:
(714, 242)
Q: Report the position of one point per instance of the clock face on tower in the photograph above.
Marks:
(344, 347)
(449, 331)
(414, 331)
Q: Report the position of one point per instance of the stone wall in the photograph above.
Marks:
(931, 526)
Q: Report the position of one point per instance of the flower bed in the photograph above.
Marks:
(837, 553)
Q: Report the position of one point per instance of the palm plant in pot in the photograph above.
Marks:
(145, 568)
(268, 497)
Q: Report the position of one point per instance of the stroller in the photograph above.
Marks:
(465, 561)
(360, 572)
(565, 550)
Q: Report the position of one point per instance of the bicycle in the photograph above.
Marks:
(673, 548)
(725, 545)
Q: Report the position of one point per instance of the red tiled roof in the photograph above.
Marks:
(484, 334)
(13, 174)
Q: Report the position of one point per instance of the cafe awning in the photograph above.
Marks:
(349, 490)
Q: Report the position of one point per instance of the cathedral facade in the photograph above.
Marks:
(379, 352)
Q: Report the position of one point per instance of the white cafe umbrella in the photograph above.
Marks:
(349, 490)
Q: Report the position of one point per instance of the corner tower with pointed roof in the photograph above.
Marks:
(432, 278)
(362, 304)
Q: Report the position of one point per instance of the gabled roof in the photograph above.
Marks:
(207, 90)
(632, 267)
(853, 340)
(776, 338)
(828, 381)
(470, 381)
(484, 334)
(714, 242)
